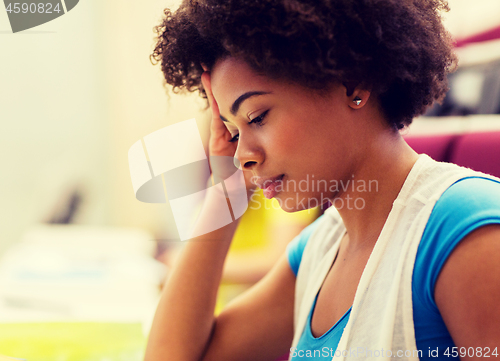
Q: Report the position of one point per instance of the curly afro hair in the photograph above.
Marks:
(398, 48)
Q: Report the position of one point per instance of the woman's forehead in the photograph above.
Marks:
(233, 75)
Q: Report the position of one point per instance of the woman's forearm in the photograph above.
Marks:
(184, 319)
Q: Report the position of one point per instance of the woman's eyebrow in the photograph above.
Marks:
(242, 98)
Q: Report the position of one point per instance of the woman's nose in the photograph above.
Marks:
(248, 152)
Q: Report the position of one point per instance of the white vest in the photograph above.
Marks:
(381, 318)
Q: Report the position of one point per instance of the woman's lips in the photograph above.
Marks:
(269, 185)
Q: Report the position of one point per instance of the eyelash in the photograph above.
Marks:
(257, 120)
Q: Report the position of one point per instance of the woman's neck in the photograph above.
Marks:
(366, 199)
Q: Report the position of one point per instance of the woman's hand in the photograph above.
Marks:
(220, 136)
(219, 144)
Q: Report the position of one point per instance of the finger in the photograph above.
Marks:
(217, 126)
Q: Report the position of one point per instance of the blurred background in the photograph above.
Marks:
(81, 260)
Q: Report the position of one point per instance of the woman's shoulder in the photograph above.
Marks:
(465, 206)
(471, 190)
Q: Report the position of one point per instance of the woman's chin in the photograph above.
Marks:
(296, 202)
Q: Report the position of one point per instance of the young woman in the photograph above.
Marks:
(313, 93)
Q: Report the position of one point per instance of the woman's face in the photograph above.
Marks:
(294, 141)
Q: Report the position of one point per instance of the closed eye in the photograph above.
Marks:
(257, 120)
(234, 139)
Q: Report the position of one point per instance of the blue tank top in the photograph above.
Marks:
(465, 206)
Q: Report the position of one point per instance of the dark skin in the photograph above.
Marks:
(332, 138)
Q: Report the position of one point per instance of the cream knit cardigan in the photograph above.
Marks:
(381, 321)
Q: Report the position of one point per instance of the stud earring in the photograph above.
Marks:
(357, 100)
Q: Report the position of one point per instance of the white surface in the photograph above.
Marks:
(76, 273)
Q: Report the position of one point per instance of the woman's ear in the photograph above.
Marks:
(358, 97)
